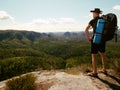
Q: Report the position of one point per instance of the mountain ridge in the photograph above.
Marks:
(31, 35)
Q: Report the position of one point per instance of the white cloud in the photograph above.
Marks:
(54, 25)
(45, 26)
(67, 20)
(54, 21)
(5, 19)
(117, 7)
(4, 15)
(39, 25)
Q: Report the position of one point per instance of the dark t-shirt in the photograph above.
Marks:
(93, 23)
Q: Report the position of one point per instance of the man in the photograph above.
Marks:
(96, 48)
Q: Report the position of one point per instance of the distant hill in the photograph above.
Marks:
(32, 36)
(118, 32)
(12, 34)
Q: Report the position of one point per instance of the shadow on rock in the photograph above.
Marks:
(110, 84)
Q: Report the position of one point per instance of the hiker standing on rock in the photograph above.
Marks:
(96, 48)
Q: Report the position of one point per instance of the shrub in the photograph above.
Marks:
(77, 61)
(19, 65)
(115, 64)
(22, 83)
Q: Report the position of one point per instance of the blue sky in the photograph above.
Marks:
(52, 15)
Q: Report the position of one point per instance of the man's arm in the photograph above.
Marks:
(87, 33)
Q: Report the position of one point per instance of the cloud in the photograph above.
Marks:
(54, 21)
(4, 15)
(39, 25)
(67, 20)
(6, 19)
(49, 25)
(116, 7)
(55, 25)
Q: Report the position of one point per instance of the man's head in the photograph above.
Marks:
(96, 12)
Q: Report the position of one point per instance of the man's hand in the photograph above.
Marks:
(87, 33)
(89, 38)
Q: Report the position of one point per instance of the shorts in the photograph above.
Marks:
(95, 48)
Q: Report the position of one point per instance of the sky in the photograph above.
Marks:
(52, 15)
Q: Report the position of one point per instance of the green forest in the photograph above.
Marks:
(23, 51)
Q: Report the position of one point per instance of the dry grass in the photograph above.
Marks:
(77, 70)
(72, 71)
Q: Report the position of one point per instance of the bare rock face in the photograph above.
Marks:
(64, 81)
(60, 80)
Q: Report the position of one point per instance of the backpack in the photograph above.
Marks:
(110, 26)
(106, 28)
(99, 31)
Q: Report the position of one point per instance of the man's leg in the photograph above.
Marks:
(94, 63)
(103, 57)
